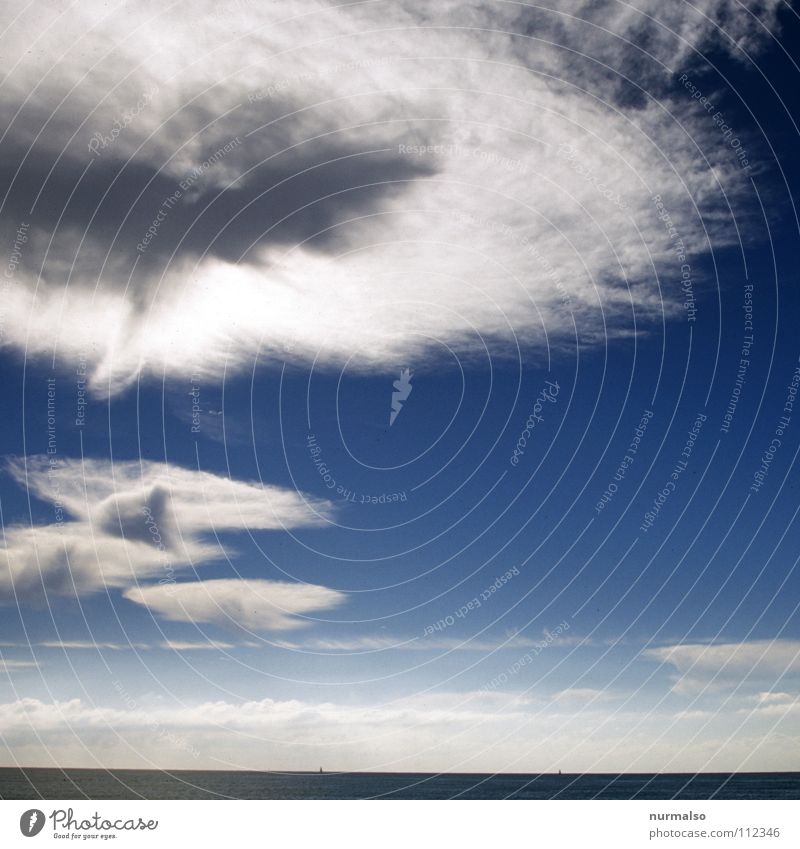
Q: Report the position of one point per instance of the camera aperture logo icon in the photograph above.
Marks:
(32, 822)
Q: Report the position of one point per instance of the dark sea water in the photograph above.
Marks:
(198, 784)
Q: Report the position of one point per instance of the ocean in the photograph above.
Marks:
(206, 784)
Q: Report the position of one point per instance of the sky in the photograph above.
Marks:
(400, 386)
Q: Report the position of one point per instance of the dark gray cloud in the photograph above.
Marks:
(493, 159)
(292, 197)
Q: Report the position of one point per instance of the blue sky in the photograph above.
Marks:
(572, 224)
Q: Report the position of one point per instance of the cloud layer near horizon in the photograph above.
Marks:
(399, 176)
(453, 731)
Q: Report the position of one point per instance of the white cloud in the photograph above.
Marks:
(436, 732)
(776, 698)
(187, 645)
(726, 665)
(367, 643)
(112, 495)
(89, 645)
(119, 523)
(386, 642)
(582, 695)
(253, 604)
(497, 236)
(12, 665)
(170, 645)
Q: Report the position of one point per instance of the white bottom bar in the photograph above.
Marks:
(403, 824)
